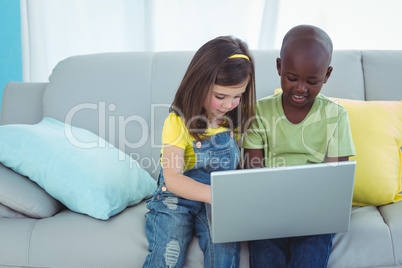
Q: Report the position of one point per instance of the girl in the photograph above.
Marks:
(214, 102)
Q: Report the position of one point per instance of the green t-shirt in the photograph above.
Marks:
(324, 131)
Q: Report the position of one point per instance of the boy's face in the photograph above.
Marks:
(302, 76)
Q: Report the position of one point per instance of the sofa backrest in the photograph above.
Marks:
(382, 72)
(125, 97)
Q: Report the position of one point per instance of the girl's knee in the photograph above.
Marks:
(167, 254)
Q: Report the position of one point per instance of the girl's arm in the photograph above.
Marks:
(254, 158)
(176, 182)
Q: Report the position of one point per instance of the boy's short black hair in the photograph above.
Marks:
(307, 32)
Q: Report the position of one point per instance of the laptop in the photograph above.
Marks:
(254, 204)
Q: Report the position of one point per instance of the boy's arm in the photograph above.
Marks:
(253, 158)
(337, 159)
(344, 143)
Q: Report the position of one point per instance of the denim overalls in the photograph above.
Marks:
(172, 220)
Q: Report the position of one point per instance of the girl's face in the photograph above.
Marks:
(223, 99)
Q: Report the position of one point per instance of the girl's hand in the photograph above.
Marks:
(176, 182)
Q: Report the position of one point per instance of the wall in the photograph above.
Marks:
(10, 43)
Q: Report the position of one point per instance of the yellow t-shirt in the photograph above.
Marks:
(176, 133)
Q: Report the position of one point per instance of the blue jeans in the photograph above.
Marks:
(172, 221)
(304, 251)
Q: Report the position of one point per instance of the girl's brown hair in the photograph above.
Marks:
(211, 65)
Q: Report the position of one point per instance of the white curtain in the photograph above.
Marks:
(53, 30)
(351, 24)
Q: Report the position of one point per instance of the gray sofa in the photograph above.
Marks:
(141, 86)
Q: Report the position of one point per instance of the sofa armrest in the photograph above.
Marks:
(22, 103)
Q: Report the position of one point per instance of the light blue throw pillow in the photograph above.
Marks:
(75, 166)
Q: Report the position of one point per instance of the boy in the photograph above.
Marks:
(298, 126)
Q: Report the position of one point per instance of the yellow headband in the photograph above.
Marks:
(239, 56)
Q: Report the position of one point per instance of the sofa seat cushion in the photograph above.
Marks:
(75, 166)
(368, 242)
(392, 214)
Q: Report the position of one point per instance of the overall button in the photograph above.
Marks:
(231, 134)
(198, 145)
(164, 188)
